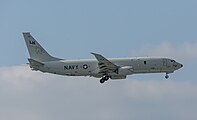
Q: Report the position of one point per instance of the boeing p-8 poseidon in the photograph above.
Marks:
(101, 67)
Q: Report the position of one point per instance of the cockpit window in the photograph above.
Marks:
(172, 60)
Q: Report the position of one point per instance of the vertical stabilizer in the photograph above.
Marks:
(36, 51)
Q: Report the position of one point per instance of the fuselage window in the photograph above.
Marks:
(144, 62)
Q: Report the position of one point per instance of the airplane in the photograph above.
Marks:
(101, 67)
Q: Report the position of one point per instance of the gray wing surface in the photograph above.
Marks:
(105, 65)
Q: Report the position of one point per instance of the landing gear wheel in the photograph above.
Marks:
(167, 76)
(106, 78)
(102, 81)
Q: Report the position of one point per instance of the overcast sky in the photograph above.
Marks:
(114, 28)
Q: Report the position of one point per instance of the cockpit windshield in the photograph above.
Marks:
(172, 60)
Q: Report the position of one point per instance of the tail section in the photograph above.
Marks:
(36, 51)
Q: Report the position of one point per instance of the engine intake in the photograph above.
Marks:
(125, 70)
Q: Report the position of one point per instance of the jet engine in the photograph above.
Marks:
(125, 70)
(114, 77)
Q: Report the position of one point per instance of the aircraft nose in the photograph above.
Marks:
(180, 65)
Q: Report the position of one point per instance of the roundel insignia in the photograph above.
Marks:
(85, 66)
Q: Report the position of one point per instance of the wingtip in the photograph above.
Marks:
(94, 53)
(26, 32)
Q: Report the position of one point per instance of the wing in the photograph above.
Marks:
(105, 65)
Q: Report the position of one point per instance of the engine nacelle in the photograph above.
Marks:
(114, 77)
(125, 70)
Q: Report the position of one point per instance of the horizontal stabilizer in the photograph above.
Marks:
(35, 63)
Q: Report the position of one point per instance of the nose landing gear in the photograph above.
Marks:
(166, 76)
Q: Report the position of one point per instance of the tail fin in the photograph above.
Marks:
(36, 51)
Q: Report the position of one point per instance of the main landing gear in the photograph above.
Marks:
(104, 78)
(166, 76)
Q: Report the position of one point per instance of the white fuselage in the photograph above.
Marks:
(90, 67)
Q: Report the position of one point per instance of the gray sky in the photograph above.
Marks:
(114, 28)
